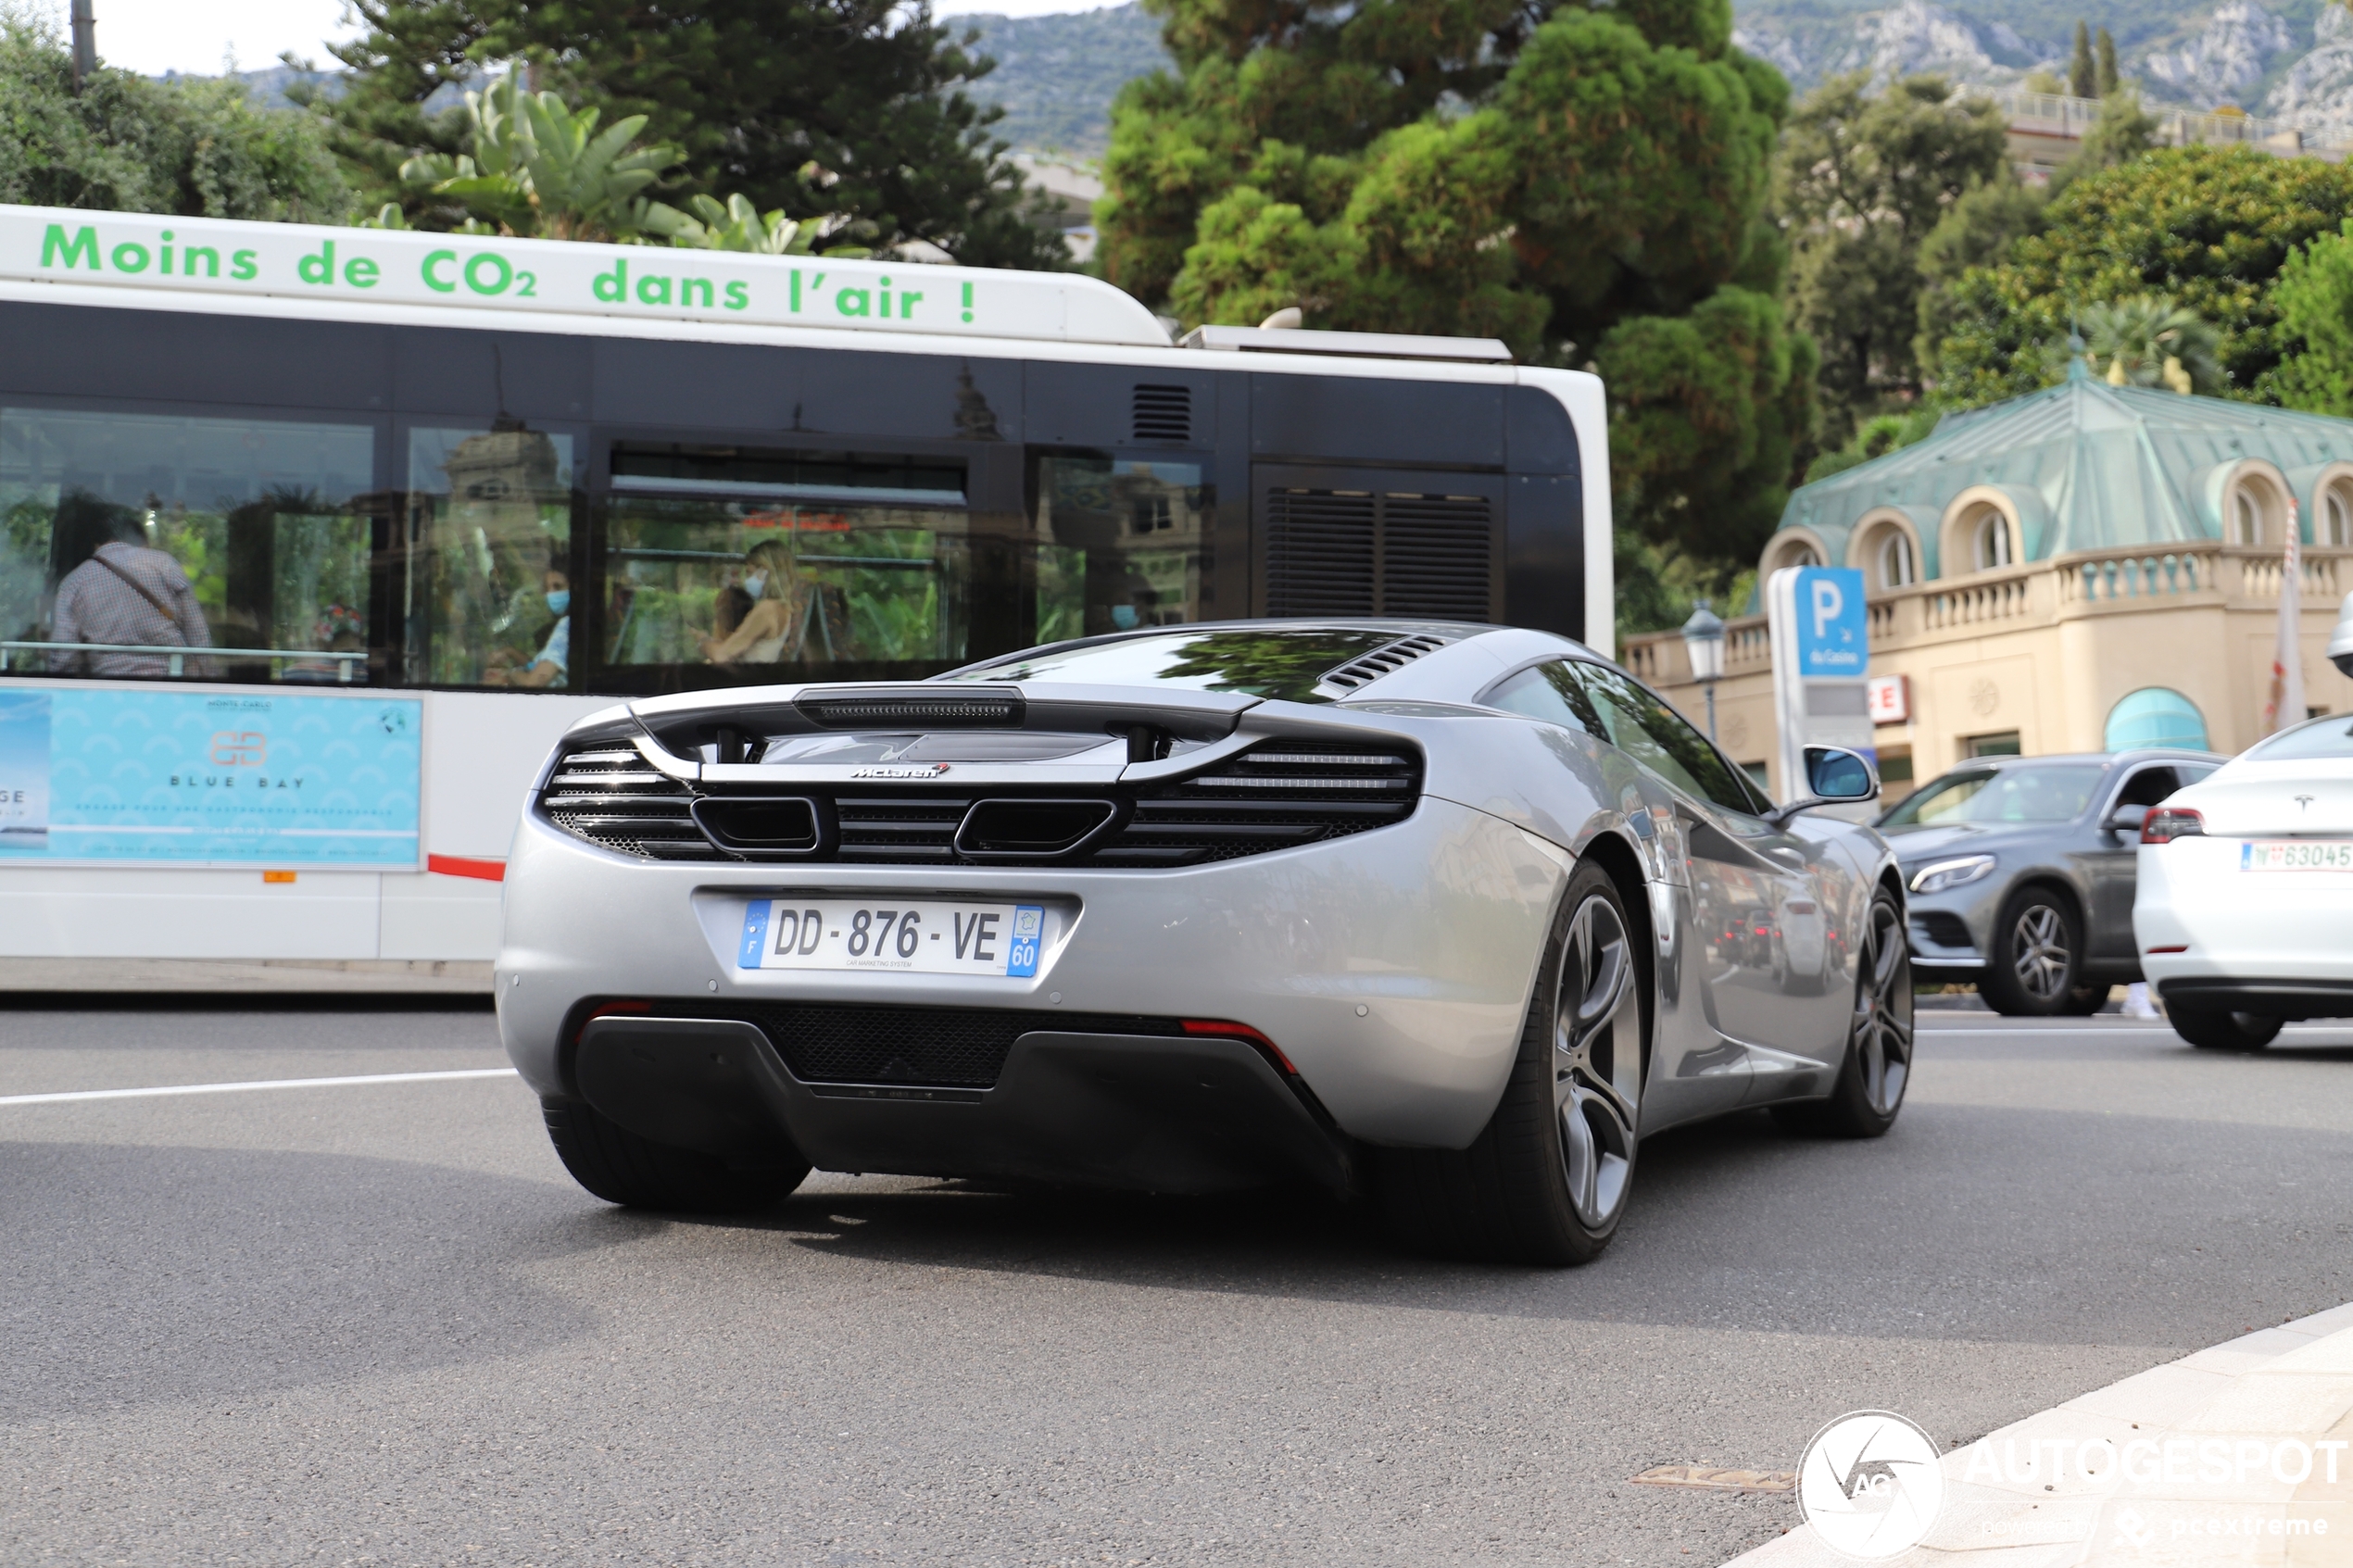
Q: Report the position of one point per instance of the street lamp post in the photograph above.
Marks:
(1704, 640)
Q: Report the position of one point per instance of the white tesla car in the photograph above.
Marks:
(2246, 890)
(1435, 913)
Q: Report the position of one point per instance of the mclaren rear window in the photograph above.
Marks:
(1262, 661)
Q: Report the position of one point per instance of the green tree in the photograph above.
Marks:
(2104, 78)
(2209, 227)
(2083, 76)
(1875, 437)
(2314, 297)
(1588, 185)
(126, 144)
(1863, 180)
(811, 107)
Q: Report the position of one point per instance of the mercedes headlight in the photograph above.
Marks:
(1942, 874)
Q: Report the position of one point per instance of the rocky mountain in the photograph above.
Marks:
(1057, 75)
(2289, 59)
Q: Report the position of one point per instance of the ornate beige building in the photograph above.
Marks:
(2083, 569)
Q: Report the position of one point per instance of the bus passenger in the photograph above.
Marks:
(129, 593)
(553, 661)
(776, 629)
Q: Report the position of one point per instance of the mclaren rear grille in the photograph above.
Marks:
(612, 798)
(949, 1047)
(1278, 795)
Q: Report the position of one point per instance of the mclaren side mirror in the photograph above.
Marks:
(1834, 776)
(2127, 819)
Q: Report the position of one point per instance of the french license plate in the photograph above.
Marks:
(913, 936)
(2296, 854)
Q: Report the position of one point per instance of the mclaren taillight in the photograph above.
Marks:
(2169, 822)
(1241, 1032)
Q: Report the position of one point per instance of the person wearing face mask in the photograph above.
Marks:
(550, 665)
(776, 628)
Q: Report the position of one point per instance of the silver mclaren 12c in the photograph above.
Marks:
(1447, 918)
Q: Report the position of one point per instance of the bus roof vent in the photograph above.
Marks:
(1163, 413)
(1380, 661)
(1362, 345)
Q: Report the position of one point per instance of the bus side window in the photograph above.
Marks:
(155, 532)
(489, 592)
(1121, 543)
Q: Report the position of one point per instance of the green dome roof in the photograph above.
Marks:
(2090, 467)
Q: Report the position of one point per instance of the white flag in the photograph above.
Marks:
(2287, 658)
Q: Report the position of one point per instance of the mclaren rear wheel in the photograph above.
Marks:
(620, 1167)
(1548, 1180)
(1869, 1091)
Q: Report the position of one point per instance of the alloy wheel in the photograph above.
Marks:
(1882, 1024)
(2040, 955)
(1597, 1060)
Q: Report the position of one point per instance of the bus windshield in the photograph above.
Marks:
(1279, 663)
(2056, 792)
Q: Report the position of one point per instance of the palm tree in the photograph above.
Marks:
(536, 168)
(740, 225)
(2148, 340)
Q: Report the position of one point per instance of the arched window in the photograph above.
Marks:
(1788, 551)
(2247, 517)
(1992, 544)
(1896, 569)
(2155, 716)
(2336, 518)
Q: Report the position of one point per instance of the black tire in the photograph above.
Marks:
(1549, 1178)
(2037, 963)
(2085, 1001)
(1869, 1094)
(2214, 1030)
(620, 1167)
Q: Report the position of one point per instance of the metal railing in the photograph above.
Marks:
(2033, 594)
(177, 655)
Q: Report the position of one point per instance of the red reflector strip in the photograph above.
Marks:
(2178, 947)
(1241, 1032)
(458, 865)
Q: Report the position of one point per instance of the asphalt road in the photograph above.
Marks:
(379, 1325)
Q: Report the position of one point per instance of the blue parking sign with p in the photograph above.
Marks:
(1834, 628)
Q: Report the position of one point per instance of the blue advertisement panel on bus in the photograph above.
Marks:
(208, 778)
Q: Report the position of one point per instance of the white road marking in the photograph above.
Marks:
(258, 1083)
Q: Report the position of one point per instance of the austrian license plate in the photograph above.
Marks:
(2296, 854)
(913, 936)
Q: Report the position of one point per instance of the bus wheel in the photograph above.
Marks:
(620, 1167)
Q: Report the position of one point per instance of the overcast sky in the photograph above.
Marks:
(195, 37)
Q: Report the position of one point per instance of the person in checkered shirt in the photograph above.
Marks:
(129, 594)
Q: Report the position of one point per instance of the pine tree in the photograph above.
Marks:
(1588, 185)
(2106, 81)
(2083, 77)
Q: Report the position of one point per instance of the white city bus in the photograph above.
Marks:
(397, 507)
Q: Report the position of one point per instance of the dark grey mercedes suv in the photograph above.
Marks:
(2019, 871)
